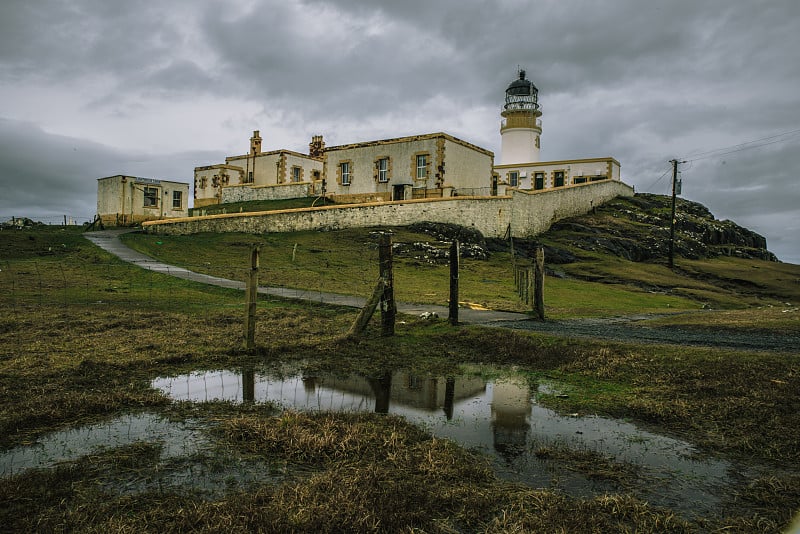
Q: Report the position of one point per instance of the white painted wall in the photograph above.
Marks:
(120, 199)
(518, 145)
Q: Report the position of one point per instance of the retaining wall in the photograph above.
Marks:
(529, 213)
(243, 193)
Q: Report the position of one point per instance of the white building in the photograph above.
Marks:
(422, 166)
(258, 174)
(128, 200)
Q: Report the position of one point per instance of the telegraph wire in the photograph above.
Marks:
(659, 179)
(771, 140)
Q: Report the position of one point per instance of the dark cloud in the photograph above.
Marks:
(51, 175)
(644, 82)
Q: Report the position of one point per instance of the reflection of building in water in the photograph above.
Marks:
(405, 389)
(511, 409)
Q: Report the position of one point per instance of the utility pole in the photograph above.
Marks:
(672, 219)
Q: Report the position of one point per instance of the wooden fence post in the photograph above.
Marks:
(252, 299)
(538, 288)
(366, 312)
(454, 261)
(388, 307)
(529, 285)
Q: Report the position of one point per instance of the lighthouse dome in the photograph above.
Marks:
(522, 94)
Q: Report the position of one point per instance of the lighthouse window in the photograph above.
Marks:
(422, 166)
(345, 170)
(513, 178)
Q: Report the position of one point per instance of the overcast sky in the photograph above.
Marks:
(154, 88)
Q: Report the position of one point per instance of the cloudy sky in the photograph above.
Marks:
(153, 88)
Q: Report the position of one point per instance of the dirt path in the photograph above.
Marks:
(617, 329)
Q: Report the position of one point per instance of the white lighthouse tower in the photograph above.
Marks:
(521, 127)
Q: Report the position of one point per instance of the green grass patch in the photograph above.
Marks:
(346, 262)
(576, 298)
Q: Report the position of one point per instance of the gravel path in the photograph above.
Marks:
(625, 329)
(617, 328)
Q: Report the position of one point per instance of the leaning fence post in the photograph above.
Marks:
(252, 298)
(538, 287)
(454, 253)
(366, 312)
(388, 307)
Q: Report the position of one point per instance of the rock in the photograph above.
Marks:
(637, 229)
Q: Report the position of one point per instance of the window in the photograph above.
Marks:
(538, 180)
(297, 174)
(513, 178)
(150, 197)
(177, 200)
(345, 170)
(558, 179)
(422, 166)
(579, 180)
(383, 170)
(249, 177)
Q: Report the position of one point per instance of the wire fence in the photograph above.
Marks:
(60, 283)
(47, 220)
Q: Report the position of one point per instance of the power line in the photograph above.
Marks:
(659, 179)
(771, 140)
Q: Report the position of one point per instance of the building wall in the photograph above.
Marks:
(264, 167)
(268, 168)
(121, 200)
(468, 170)
(243, 193)
(574, 171)
(451, 163)
(209, 181)
(528, 212)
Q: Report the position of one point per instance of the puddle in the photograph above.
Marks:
(177, 439)
(182, 444)
(499, 417)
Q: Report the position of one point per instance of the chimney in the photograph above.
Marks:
(255, 143)
(316, 147)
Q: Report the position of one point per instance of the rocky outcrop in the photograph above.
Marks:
(637, 229)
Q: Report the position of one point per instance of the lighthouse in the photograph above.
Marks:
(521, 126)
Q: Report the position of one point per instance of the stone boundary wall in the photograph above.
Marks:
(529, 213)
(243, 193)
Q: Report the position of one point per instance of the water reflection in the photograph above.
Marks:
(176, 440)
(500, 417)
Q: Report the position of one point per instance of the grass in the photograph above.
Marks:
(68, 361)
(776, 319)
(345, 261)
